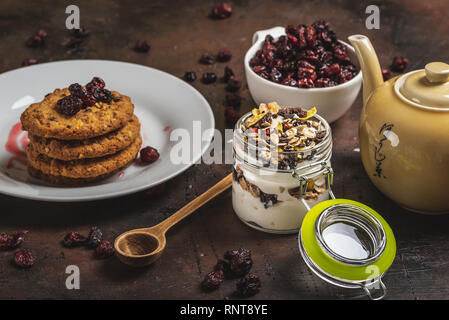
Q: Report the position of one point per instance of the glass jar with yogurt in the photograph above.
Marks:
(282, 167)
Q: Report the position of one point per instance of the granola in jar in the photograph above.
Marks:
(280, 159)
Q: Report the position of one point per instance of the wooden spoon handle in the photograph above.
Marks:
(196, 203)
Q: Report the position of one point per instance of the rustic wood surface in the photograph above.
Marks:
(179, 32)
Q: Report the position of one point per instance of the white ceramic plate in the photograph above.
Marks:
(162, 103)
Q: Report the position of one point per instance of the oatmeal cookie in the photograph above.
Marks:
(43, 119)
(83, 168)
(90, 148)
(71, 182)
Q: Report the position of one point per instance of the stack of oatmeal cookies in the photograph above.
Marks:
(81, 134)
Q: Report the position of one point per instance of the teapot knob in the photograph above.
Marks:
(437, 72)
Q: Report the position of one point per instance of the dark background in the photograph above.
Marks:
(179, 32)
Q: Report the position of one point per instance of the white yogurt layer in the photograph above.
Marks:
(284, 216)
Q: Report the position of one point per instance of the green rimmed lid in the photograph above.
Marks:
(348, 240)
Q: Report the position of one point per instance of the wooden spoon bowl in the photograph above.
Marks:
(141, 247)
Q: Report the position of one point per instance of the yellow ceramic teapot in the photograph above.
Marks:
(404, 132)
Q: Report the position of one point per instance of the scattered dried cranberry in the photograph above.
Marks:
(399, 64)
(209, 77)
(81, 32)
(24, 258)
(222, 11)
(73, 239)
(190, 76)
(41, 33)
(386, 74)
(224, 55)
(104, 250)
(249, 285)
(69, 105)
(233, 85)
(213, 280)
(233, 100)
(29, 62)
(95, 237)
(12, 241)
(240, 261)
(142, 46)
(96, 82)
(228, 74)
(34, 41)
(207, 58)
(103, 95)
(149, 154)
(231, 115)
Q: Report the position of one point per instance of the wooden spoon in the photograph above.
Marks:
(141, 247)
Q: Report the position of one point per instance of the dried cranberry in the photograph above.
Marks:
(310, 35)
(213, 280)
(29, 62)
(222, 11)
(323, 83)
(12, 241)
(233, 100)
(81, 32)
(240, 261)
(69, 105)
(305, 83)
(74, 239)
(94, 238)
(207, 58)
(190, 76)
(231, 115)
(228, 74)
(275, 75)
(104, 249)
(399, 64)
(224, 55)
(233, 85)
(103, 95)
(259, 69)
(149, 154)
(77, 90)
(41, 33)
(142, 46)
(24, 258)
(290, 82)
(332, 70)
(34, 41)
(386, 74)
(249, 285)
(209, 77)
(96, 82)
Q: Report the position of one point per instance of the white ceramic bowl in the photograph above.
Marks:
(331, 103)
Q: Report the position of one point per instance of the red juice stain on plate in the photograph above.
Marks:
(167, 128)
(16, 145)
(121, 174)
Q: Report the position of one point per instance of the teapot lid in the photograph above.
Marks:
(428, 88)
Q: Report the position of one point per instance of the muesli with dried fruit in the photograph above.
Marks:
(281, 137)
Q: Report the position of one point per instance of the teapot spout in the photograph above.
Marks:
(372, 74)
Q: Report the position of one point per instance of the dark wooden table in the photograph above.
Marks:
(179, 33)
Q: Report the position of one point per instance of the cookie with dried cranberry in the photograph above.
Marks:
(90, 148)
(87, 169)
(44, 119)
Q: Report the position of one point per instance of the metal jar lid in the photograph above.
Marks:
(348, 244)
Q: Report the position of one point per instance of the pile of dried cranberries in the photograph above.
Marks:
(23, 258)
(307, 57)
(236, 264)
(81, 98)
(103, 249)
